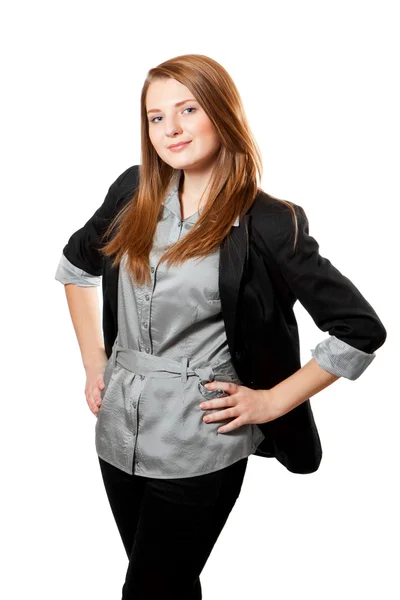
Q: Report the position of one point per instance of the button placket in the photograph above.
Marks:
(145, 323)
(136, 390)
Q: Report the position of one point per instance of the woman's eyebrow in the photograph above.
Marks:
(177, 104)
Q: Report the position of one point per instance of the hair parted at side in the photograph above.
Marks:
(233, 186)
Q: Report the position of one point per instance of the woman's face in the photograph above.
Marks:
(171, 124)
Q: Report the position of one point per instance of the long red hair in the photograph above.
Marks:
(233, 185)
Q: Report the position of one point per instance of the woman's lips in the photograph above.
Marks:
(180, 147)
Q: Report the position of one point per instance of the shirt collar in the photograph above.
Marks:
(172, 199)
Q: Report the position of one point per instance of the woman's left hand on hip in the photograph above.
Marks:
(244, 405)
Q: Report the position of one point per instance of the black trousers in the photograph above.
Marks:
(169, 527)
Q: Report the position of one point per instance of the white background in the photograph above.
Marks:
(319, 81)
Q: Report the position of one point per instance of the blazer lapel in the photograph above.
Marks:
(233, 258)
(110, 283)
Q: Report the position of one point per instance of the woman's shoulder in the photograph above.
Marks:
(265, 203)
(125, 185)
(270, 214)
(129, 177)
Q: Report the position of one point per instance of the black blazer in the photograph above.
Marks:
(260, 279)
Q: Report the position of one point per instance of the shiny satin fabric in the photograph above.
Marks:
(160, 398)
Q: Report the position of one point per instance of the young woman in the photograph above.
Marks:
(200, 366)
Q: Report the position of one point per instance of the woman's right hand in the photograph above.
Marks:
(95, 384)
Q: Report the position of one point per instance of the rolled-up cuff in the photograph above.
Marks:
(69, 273)
(341, 359)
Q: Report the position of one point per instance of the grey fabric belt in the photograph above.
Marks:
(155, 366)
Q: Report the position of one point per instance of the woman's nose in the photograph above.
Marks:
(172, 127)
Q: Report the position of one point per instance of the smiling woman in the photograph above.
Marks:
(201, 269)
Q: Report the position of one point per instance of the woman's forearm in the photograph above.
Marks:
(300, 386)
(83, 304)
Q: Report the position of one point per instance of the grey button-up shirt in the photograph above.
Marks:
(150, 422)
(171, 340)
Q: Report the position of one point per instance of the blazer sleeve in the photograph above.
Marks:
(335, 304)
(82, 248)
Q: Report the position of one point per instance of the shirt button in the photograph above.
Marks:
(147, 350)
(145, 324)
(152, 269)
(147, 296)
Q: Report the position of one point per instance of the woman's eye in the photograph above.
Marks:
(154, 118)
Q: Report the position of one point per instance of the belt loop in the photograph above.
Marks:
(114, 357)
(184, 363)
